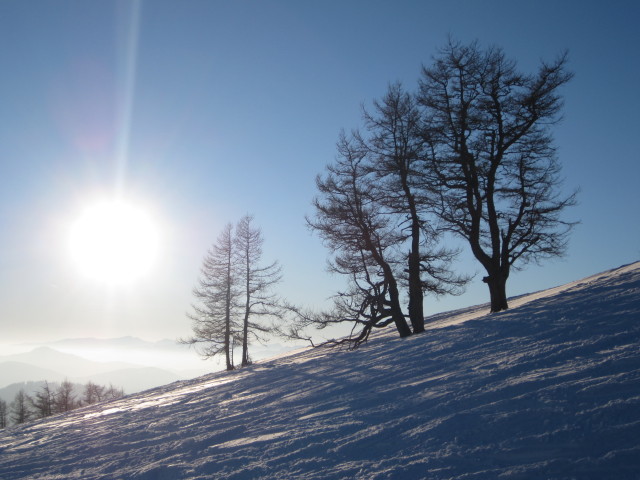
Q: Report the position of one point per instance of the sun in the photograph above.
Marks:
(113, 241)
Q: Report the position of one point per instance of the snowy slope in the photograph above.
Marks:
(547, 390)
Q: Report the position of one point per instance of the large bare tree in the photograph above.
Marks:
(492, 158)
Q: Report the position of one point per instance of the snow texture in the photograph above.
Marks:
(549, 389)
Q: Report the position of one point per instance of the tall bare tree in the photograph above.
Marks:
(395, 149)
(215, 313)
(351, 221)
(257, 281)
(491, 157)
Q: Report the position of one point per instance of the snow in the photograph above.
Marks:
(548, 389)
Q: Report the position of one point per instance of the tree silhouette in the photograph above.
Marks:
(491, 157)
(351, 221)
(214, 317)
(256, 282)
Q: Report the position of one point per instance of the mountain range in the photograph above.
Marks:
(141, 364)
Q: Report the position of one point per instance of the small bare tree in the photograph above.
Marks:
(234, 290)
(3, 414)
(113, 393)
(65, 397)
(20, 412)
(257, 283)
(93, 393)
(215, 314)
(43, 401)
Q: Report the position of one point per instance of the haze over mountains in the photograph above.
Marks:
(140, 365)
(547, 389)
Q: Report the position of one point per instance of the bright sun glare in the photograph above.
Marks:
(114, 242)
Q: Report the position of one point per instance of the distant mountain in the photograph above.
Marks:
(67, 364)
(15, 372)
(45, 363)
(119, 342)
(128, 362)
(164, 354)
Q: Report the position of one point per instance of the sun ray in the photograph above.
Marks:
(128, 49)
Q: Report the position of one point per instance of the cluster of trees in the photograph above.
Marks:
(234, 295)
(50, 400)
(469, 154)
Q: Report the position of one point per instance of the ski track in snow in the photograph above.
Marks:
(549, 389)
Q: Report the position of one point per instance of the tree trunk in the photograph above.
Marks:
(247, 308)
(245, 340)
(497, 290)
(396, 310)
(416, 297)
(416, 311)
(394, 296)
(227, 333)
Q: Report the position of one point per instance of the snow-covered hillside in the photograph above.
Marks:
(547, 390)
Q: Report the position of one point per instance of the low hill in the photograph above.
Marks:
(548, 389)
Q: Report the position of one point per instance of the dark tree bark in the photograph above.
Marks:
(492, 158)
(497, 291)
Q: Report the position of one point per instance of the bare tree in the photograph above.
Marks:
(43, 401)
(350, 220)
(113, 393)
(65, 398)
(215, 313)
(93, 393)
(3, 414)
(20, 412)
(257, 281)
(492, 159)
(395, 149)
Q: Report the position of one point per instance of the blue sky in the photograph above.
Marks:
(202, 111)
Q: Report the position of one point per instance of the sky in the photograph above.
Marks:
(200, 112)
